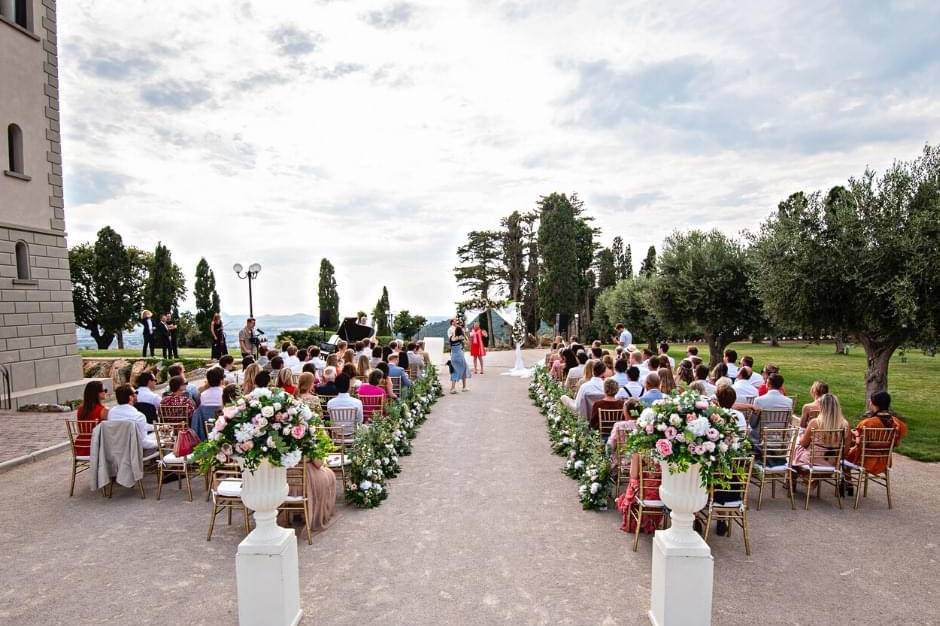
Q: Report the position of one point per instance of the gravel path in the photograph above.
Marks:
(481, 527)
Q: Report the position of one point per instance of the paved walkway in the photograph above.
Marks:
(481, 527)
(25, 433)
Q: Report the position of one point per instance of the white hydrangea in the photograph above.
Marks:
(244, 432)
(291, 459)
(699, 426)
(595, 487)
(365, 485)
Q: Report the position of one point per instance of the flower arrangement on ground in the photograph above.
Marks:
(686, 429)
(265, 425)
(366, 478)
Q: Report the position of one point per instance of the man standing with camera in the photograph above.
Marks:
(246, 338)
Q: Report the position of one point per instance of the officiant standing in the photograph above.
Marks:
(477, 346)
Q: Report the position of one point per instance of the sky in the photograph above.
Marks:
(377, 133)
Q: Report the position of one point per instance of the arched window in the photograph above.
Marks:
(15, 147)
(22, 260)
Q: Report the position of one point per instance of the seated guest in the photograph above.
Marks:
(609, 401)
(725, 397)
(667, 384)
(414, 359)
(684, 374)
(212, 396)
(743, 386)
(609, 363)
(879, 415)
(395, 370)
(701, 375)
(310, 368)
(386, 383)
(262, 380)
(811, 409)
(227, 363)
(343, 400)
(125, 412)
(285, 346)
(302, 359)
(332, 360)
(731, 361)
(719, 371)
(636, 359)
(633, 388)
(291, 359)
(285, 380)
(376, 357)
(91, 411)
(425, 356)
(568, 363)
(756, 378)
(178, 396)
(774, 400)
(664, 353)
(577, 372)
(769, 369)
(249, 374)
(375, 386)
(316, 359)
(265, 360)
(652, 392)
(620, 372)
(240, 375)
(691, 351)
(277, 364)
(146, 389)
(590, 391)
(362, 366)
(305, 390)
(354, 383)
(698, 387)
(177, 369)
(830, 418)
(230, 394)
(328, 387)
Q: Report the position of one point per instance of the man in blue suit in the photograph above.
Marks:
(395, 370)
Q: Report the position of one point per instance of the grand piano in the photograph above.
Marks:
(350, 330)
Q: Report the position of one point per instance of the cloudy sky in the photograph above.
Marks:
(376, 133)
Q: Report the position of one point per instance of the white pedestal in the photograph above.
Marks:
(434, 346)
(268, 585)
(684, 569)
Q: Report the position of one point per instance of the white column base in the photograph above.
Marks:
(683, 568)
(268, 581)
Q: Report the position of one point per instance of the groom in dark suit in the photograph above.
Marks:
(146, 320)
(161, 335)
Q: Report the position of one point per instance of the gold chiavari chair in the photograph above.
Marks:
(324, 399)
(877, 447)
(337, 461)
(728, 503)
(226, 490)
(413, 372)
(372, 405)
(624, 457)
(169, 413)
(773, 466)
(650, 473)
(166, 434)
(825, 463)
(396, 384)
(606, 418)
(347, 419)
(79, 433)
(297, 495)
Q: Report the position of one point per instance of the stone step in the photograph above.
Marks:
(56, 394)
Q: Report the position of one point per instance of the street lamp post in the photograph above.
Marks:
(577, 325)
(253, 270)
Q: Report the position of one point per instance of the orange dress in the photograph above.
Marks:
(878, 465)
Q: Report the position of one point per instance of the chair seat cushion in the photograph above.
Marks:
(230, 488)
(172, 459)
(294, 499)
(151, 455)
(772, 469)
(818, 468)
(736, 504)
(851, 465)
(650, 503)
(337, 460)
(82, 457)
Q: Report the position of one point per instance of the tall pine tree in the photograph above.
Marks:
(648, 268)
(380, 314)
(328, 296)
(207, 299)
(560, 280)
(166, 284)
(513, 251)
(480, 259)
(607, 272)
(627, 268)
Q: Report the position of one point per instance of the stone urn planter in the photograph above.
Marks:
(263, 490)
(684, 495)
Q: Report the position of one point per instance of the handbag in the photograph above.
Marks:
(186, 442)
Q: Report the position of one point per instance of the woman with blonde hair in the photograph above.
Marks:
(332, 360)
(609, 362)
(249, 378)
(667, 384)
(305, 391)
(830, 418)
(349, 356)
(811, 409)
(362, 366)
(285, 380)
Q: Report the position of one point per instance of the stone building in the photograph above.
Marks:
(37, 335)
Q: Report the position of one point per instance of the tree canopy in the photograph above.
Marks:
(629, 302)
(328, 297)
(166, 284)
(207, 299)
(380, 314)
(408, 325)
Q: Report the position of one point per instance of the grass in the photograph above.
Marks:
(912, 384)
(185, 353)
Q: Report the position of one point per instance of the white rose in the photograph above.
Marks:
(277, 406)
(267, 411)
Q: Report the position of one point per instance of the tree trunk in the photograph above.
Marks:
(490, 335)
(879, 356)
(102, 340)
(716, 349)
(773, 342)
(120, 338)
(840, 344)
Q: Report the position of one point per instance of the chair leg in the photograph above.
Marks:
(790, 487)
(747, 540)
(809, 490)
(760, 491)
(708, 525)
(636, 534)
(247, 526)
(159, 482)
(838, 481)
(887, 485)
(189, 485)
(307, 526)
(215, 511)
(140, 485)
(858, 487)
(72, 487)
(229, 516)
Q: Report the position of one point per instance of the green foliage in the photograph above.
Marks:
(702, 282)
(188, 331)
(530, 290)
(607, 273)
(328, 296)
(513, 241)
(629, 302)
(860, 262)
(648, 267)
(480, 259)
(559, 278)
(166, 285)
(307, 337)
(82, 274)
(207, 300)
(380, 314)
(623, 259)
(407, 325)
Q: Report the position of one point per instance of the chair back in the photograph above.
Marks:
(396, 384)
(775, 419)
(734, 491)
(606, 418)
(650, 471)
(347, 418)
(572, 384)
(372, 405)
(877, 443)
(413, 372)
(338, 437)
(295, 379)
(589, 400)
(747, 399)
(79, 432)
(793, 399)
(777, 445)
(166, 432)
(116, 449)
(173, 412)
(297, 481)
(826, 447)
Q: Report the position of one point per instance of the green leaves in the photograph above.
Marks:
(327, 295)
(207, 299)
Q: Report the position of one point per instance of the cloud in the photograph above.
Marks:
(293, 42)
(114, 66)
(84, 185)
(261, 80)
(175, 94)
(392, 16)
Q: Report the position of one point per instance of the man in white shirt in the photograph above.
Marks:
(292, 359)
(414, 358)
(774, 400)
(212, 396)
(302, 359)
(636, 359)
(227, 362)
(620, 367)
(664, 352)
(756, 378)
(577, 371)
(318, 362)
(284, 348)
(590, 391)
(146, 389)
(125, 412)
(731, 360)
(624, 337)
(633, 388)
(743, 387)
(343, 400)
(701, 375)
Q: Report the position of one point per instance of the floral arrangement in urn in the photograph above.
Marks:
(686, 429)
(265, 425)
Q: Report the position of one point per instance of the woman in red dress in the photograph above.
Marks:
(90, 412)
(477, 346)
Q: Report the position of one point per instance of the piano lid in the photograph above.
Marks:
(351, 330)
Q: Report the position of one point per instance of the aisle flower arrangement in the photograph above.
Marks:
(375, 453)
(571, 437)
(266, 424)
(686, 429)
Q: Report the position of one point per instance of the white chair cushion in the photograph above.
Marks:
(851, 465)
(650, 503)
(294, 499)
(818, 468)
(230, 488)
(772, 469)
(337, 460)
(736, 504)
(82, 458)
(153, 455)
(170, 459)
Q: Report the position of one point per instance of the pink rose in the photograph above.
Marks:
(713, 434)
(298, 432)
(701, 405)
(650, 429)
(671, 433)
(280, 417)
(248, 445)
(219, 424)
(664, 447)
(229, 411)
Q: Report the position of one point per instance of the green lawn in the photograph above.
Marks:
(185, 353)
(912, 384)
